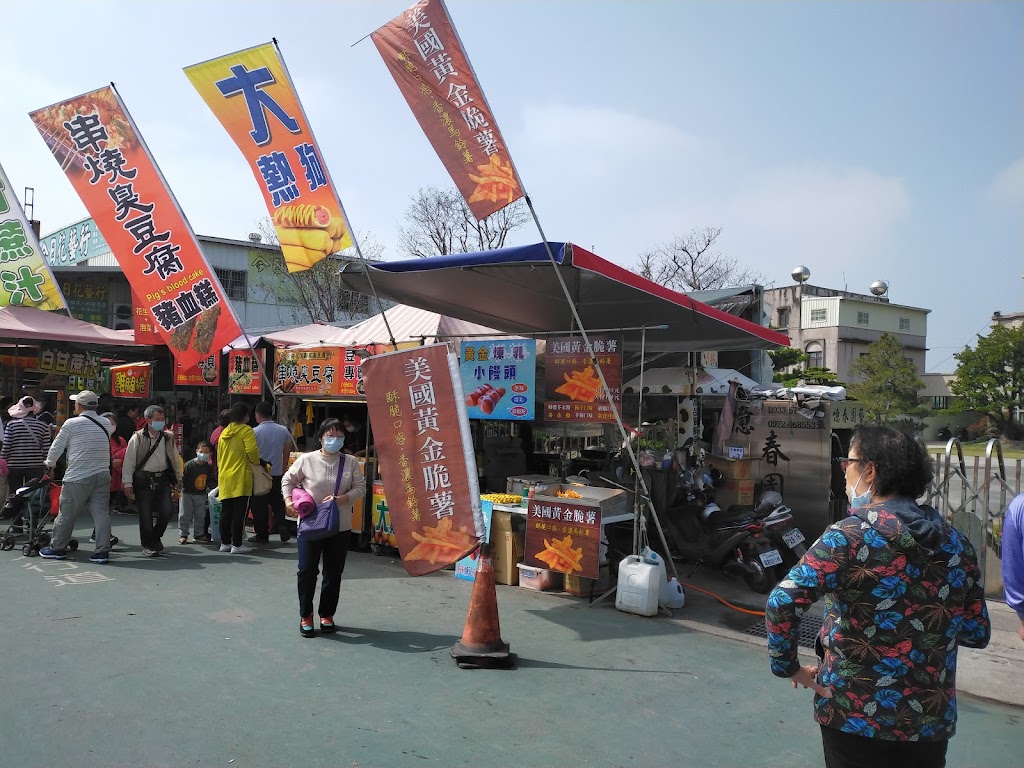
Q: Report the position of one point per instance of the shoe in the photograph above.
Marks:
(99, 557)
(149, 552)
(159, 546)
(327, 625)
(202, 539)
(259, 539)
(92, 538)
(285, 537)
(225, 547)
(114, 540)
(183, 539)
(53, 554)
(243, 550)
(306, 627)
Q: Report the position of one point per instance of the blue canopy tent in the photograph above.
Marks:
(515, 290)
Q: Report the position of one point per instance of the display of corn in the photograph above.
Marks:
(502, 498)
(309, 233)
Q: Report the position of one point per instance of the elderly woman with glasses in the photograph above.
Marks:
(902, 592)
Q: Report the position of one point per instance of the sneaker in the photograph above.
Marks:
(243, 550)
(114, 540)
(259, 539)
(225, 547)
(53, 554)
(92, 537)
(183, 539)
(159, 546)
(149, 552)
(99, 557)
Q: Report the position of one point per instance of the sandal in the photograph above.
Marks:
(306, 627)
(327, 625)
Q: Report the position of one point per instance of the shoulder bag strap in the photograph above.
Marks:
(341, 471)
(150, 452)
(106, 434)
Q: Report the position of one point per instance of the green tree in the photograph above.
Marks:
(784, 357)
(990, 379)
(813, 375)
(890, 387)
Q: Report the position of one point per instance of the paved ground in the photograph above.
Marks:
(195, 659)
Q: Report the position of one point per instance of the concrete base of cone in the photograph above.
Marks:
(481, 646)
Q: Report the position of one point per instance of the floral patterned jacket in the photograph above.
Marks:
(902, 591)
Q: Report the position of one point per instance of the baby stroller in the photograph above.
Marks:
(32, 509)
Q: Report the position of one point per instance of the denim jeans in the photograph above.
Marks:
(333, 550)
(152, 501)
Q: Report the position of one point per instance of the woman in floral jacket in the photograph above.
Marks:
(902, 592)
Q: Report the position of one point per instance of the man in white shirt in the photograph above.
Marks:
(86, 438)
(274, 442)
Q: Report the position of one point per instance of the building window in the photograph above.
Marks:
(862, 318)
(864, 354)
(784, 317)
(909, 360)
(233, 281)
(904, 323)
(940, 403)
(819, 315)
(815, 355)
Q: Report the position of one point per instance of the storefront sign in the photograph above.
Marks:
(318, 371)
(498, 378)
(132, 381)
(245, 371)
(423, 52)
(572, 389)
(25, 277)
(205, 373)
(73, 245)
(98, 382)
(421, 435)
(252, 95)
(87, 299)
(563, 537)
(96, 143)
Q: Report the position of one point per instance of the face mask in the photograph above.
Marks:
(158, 425)
(858, 501)
(202, 457)
(350, 429)
(333, 444)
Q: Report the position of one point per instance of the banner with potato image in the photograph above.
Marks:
(572, 388)
(563, 537)
(254, 99)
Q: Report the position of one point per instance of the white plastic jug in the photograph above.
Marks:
(638, 586)
(672, 594)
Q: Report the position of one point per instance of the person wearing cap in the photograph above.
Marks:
(86, 439)
(26, 441)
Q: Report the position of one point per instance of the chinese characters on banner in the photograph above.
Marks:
(423, 52)
(426, 457)
(563, 537)
(25, 278)
(131, 380)
(498, 378)
(572, 389)
(145, 328)
(205, 373)
(254, 99)
(245, 371)
(320, 371)
(96, 143)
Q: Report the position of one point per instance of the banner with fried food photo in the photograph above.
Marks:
(572, 388)
(564, 536)
(424, 54)
(100, 150)
(253, 97)
(425, 454)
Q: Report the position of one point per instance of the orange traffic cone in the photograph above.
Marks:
(481, 646)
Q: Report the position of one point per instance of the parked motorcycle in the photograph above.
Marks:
(944, 433)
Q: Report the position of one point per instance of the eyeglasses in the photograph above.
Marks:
(845, 461)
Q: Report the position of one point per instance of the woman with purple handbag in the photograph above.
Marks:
(335, 481)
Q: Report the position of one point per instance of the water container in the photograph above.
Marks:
(638, 586)
(214, 515)
(672, 594)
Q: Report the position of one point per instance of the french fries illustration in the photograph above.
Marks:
(560, 555)
(441, 543)
(581, 386)
(496, 182)
(308, 233)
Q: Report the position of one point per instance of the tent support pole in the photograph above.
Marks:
(604, 386)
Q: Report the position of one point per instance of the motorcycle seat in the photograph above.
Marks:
(733, 514)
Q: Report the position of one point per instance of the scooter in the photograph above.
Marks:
(944, 433)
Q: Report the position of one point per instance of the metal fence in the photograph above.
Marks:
(972, 493)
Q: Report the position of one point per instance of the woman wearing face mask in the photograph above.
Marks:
(317, 473)
(902, 591)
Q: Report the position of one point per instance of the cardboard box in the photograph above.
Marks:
(507, 550)
(733, 469)
(539, 579)
(580, 586)
(729, 493)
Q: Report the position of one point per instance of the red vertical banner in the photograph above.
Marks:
(422, 439)
(423, 52)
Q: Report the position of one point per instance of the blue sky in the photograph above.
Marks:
(865, 140)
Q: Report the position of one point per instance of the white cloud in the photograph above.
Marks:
(1007, 188)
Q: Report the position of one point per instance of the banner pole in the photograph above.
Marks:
(604, 385)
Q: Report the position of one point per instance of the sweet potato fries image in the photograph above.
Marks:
(560, 555)
(582, 386)
(441, 543)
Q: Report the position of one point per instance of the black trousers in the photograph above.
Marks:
(268, 510)
(232, 520)
(152, 500)
(848, 750)
(333, 550)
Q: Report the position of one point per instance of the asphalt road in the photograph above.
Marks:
(194, 659)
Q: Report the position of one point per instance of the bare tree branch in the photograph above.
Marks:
(439, 222)
(691, 263)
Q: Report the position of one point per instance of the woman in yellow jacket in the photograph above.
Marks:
(236, 449)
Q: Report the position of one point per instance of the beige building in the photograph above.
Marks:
(835, 327)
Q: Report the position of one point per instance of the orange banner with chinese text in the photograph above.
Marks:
(145, 327)
(423, 52)
(318, 372)
(205, 373)
(254, 99)
(132, 381)
(99, 148)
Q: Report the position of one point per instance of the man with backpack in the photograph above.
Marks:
(86, 439)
